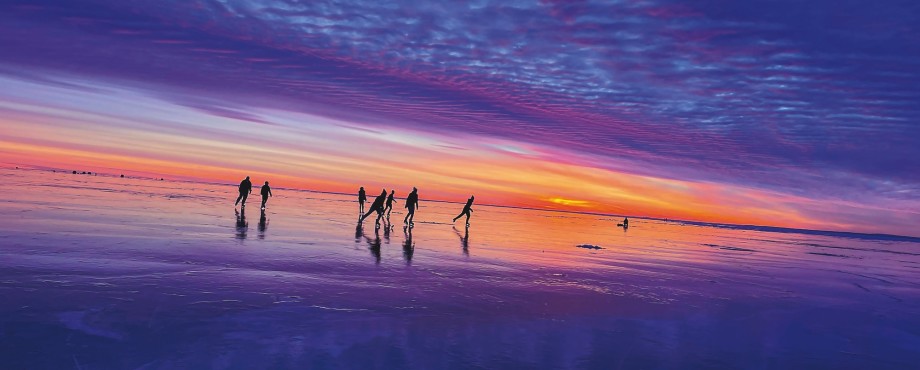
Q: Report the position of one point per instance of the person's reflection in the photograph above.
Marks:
(242, 226)
(373, 244)
(464, 239)
(386, 231)
(408, 245)
(263, 225)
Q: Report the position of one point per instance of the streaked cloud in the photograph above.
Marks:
(806, 108)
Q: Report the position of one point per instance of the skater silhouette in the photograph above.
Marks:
(362, 197)
(245, 190)
(411, 206)
(466, 211)
(266, 193)
(390, 200)
(377, 206)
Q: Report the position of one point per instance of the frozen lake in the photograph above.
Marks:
(108, 273)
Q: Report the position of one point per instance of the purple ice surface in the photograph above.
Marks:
(110, 273)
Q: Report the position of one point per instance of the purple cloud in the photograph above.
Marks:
(813, 99)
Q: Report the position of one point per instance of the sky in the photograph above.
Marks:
(781, 113)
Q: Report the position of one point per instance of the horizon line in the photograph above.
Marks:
(751, 227)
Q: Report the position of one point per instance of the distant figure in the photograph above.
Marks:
(466, 211)
(411, 206)
(377, 206)
(390, 200)
(123, 176)
(245, 190)
(625, 222)
(266, 192)
(362, 197)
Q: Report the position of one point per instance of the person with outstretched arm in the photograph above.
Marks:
(245, 190)
(466, 210)
(411, 206)
(266, 192)
(377, 206)
(390, 200)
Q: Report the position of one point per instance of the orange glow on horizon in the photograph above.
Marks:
(518, 188)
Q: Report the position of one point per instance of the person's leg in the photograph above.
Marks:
(367, 214)
(239, 198)
(264, 199)
(245, 196)
(468, 214)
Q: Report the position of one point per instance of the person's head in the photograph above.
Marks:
(266, 183)
(383, 192)
(247, 177)
(414, 189)
(472, 197)
(392, 191)
(362, 188)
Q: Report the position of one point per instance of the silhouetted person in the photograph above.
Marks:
(390, 200)
(245, 190)
(263, 224)
(466, 210)
(377, 206)
(266, 193)
(362, 197)
(626, 222)
(408, 246)
(241, 225)
(464, 239)
(411, 206)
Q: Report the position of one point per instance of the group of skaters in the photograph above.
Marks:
(246, 189)
(383, 204)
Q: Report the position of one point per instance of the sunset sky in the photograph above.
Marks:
(785, 113)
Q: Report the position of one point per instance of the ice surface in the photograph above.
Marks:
(101, 272)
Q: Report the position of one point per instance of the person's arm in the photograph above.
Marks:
(270, 193)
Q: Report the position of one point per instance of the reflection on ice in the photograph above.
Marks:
(107, 272)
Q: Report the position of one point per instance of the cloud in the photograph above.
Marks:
(814, 99)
